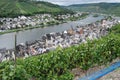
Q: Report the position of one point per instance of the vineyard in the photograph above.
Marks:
(56, 65)
(14, 8)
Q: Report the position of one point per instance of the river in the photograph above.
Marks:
(8, 40)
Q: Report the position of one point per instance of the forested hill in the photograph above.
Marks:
(12, 8)
(107, 8)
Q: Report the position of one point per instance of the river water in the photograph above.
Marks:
(8, 40)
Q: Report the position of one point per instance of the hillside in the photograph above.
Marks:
(12, 8)
(107, 8)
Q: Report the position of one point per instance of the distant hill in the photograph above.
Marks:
(12, 8)
(107, 8)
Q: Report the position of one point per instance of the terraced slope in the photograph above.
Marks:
(12, 8)
(106, 8)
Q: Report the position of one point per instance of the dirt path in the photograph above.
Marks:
(115, 75)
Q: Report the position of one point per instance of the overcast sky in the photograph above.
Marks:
(69, 2)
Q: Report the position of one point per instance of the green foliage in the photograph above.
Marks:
(106, 8)
(77, 18)
(1, 23)
(13, 8)
(15, 73)
(56, 65)
(116, 29)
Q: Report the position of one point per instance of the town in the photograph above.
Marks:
(67, 38)
(35, 21)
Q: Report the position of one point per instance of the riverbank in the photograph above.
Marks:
(27, 28)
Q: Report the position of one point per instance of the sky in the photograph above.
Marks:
(69, 2)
